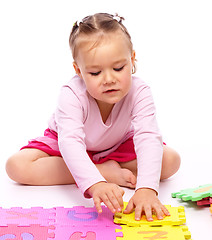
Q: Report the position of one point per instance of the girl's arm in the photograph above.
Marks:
(69, 119)
(149, 151)
(147, 140)
(71, 139)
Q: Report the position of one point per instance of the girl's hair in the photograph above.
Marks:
(97, 23)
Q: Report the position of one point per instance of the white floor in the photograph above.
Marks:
(173, 44)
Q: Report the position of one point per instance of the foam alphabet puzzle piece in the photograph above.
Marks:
(204, 201)
(177, 218)
(154, 233)
(27, 216)
(211, 208)
(83, 216)
(32, 232)
(194, 194)
(86, 232)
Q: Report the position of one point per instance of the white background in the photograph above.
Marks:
(172, 40)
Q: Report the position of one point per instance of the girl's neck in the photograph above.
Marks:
(105, 110)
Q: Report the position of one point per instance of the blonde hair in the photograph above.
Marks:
(97, 23)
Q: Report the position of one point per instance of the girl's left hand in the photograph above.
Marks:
(146, 201)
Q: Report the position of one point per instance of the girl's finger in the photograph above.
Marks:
(108, 203)
(114, 201)
(165, 211)
(148, 213)
(97, 203)
(138, 212)
(129, 208)
(159, 213)
(118, 194)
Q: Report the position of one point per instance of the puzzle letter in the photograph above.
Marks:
(158, 234)
(7, 236)
(78, 236)
(73, 215)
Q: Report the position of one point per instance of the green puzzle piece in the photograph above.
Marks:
(194, 194)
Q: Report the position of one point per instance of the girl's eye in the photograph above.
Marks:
(118, 69)
(95, 73)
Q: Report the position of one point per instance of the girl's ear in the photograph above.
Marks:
(133, 60)
(133, 57)
(77, 69)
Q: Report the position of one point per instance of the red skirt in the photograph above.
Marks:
(124, 153)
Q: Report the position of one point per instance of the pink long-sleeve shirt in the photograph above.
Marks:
(79, 125)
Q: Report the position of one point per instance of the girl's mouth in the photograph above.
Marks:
(111, 91)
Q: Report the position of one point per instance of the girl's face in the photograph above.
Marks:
(106, 65)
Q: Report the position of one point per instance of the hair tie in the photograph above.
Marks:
(118, 18)
(77, 23)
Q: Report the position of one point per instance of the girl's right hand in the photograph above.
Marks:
(108, 193)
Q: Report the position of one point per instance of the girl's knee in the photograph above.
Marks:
(17, 168)
(174, 159)
(13, 167)
(171, 163)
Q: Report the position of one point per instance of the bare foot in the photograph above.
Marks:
(113, 173)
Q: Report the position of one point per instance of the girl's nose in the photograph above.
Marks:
(109, 79)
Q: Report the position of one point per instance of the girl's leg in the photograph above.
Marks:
(114, 173)
(170, 163)
(35, 167)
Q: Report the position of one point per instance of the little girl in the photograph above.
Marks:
(104, 133)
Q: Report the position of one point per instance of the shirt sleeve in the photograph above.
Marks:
(147, 141)
(69, 118)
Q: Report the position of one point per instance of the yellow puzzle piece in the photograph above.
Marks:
(154, 233)
(177, 218)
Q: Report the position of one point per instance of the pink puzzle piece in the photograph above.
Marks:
(84, 217)
(26, 217)
(32, 232)
(81, 223)
(77, 223)
(86, 233)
